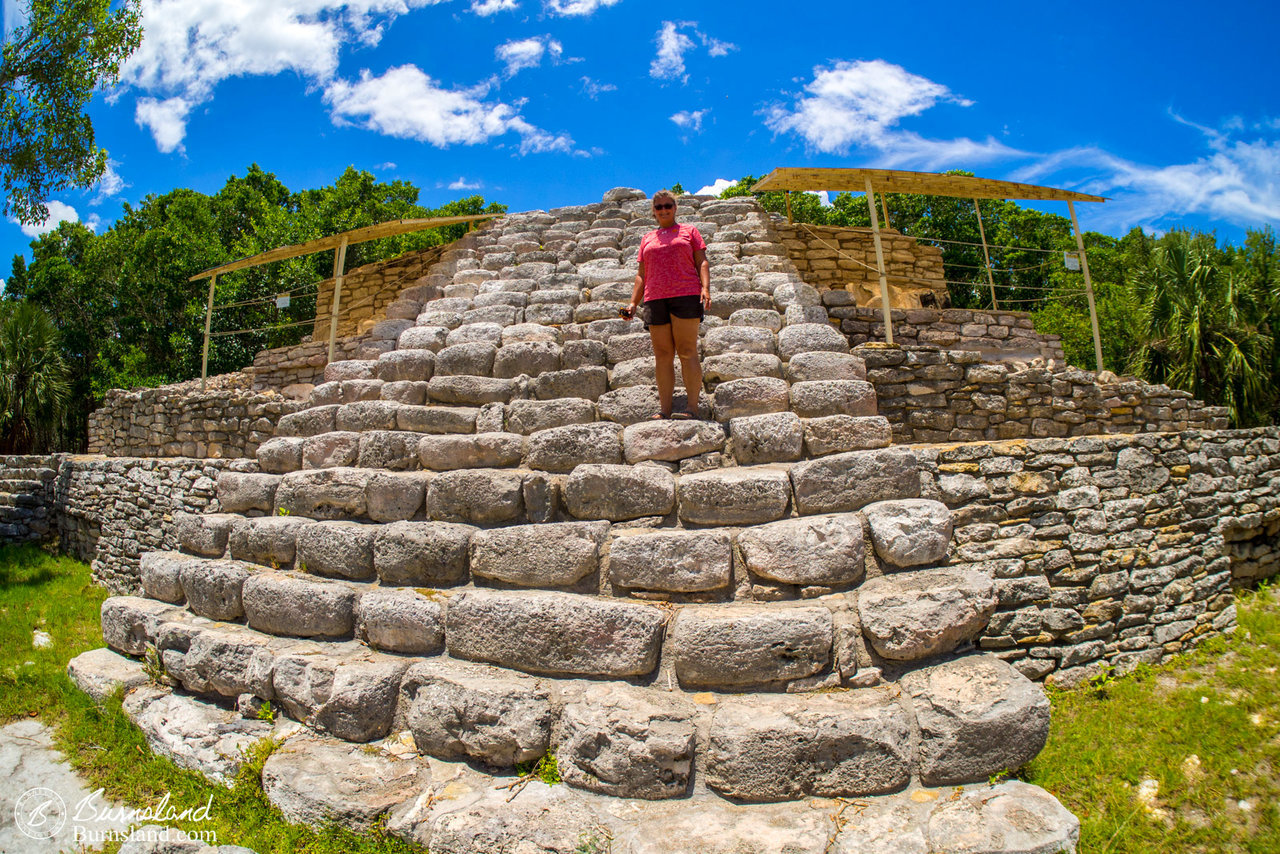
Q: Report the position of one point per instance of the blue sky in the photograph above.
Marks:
(1168, 108)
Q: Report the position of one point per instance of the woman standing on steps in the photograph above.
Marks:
(674, 281)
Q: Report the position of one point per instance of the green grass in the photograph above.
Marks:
(1219, 704)
(55, 595)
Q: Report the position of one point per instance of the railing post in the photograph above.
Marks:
(1088, 286)
(208, 322)
(884, 280)
(339, 265)
(982, 232)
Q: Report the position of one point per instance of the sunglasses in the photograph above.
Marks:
(666, 206)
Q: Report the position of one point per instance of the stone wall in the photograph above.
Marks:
(1114, 550)
(996, 334)
(845, 258)
(303, 363)
(934, 395)
(368, 292)
(182, 421)
(26, 490)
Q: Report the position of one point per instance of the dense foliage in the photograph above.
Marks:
(128, 313)
(1177, 309)
(33, 379)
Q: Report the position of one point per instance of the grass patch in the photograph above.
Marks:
(1205, 728)
(56, 595)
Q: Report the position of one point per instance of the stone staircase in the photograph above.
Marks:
(482, 540)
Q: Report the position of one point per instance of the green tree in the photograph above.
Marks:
(49, 69)
(33, 380)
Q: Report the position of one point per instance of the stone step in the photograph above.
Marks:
(612, 737)
(564, 488)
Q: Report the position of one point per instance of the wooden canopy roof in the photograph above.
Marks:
(922, 183)
(356, 235)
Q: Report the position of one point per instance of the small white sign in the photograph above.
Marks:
(1071, 260)
(282, 301)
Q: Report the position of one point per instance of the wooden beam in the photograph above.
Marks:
(982, 232)
(1088, 288)
(356, 235)
(884, 280)
(884, 209)
(208, 323)
(788, 196)
(339, 267)
(923, 183)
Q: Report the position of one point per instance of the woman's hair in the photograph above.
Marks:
(665, 195)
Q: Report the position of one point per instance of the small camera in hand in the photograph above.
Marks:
(626, 312)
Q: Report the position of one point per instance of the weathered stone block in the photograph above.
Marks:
(843, 482)
(268, 540)
(337, 493)
(751, 396)
(284, 603)
(241, 492)
(204, 535)
(818, 398)
(678, 561)
(670, 440)
(330, 450)
(819, 365)
(547, 555)
(480, 450)
(530, 416)
(280, 455)
(477, 496)
(835, 434)
(822, 550)
(810, 337)
(619, 492)
(912, 615)
(353, 699)
(422, 554)
(563, 448)
(213, 587)
(737, 496)
(160, 573)
(402, 621)
(735, 646)
(394, 496)
(771, 438)
(337, 550)
(910, 532)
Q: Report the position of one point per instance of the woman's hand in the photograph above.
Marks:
(706, 298)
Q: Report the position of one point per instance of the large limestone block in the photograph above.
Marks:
(587, 382)
(554, 633)
(423, 338)
(739, 339)
(549, 555)
(280, 455)
(563, 448)
(551, 819)
(241, 492)
(750, 396)
(824, 550)
(353, 699)
(531, 358)
(337, 550)
(1011, 816)
(436, 419)
(349, 369)
(978, 717)
(422, 554)
(737, 366)
(843, 482)
(836, 434)
(678, 561)
(205, 535)
(328, 450)
(627, 742)
(816, 398)
(810, 337)
(288, 603)
(473, 332)
(910, 532)
(399, 365)
(129, 623)
(770, 748)
(459, 711)
(336, 493)
(470, 390)
(481, 450)
(99, 672)
(267, 540)
(476, 496)
(913, 615)
(226, 661)
(161, 576)
(770, 438)
(474, 359)
(394, 496)
(309, 422)
(670, 440)
(301, 779)
(822, 365)
(213, 588)
(194, 734)
(394, 450)
(400, 620)
(619, 492)
(530, 416)
(629, 405)
(367, 415)
(761, 317)
(735, 646)
(736, 496)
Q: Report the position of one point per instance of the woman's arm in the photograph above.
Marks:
(637, 292)
(704, 275)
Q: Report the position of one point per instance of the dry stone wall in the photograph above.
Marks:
(369, 292)
(26, 490)
(934, 395)
(845, 259)
(998, 335)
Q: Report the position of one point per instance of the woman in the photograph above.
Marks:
(674, 280)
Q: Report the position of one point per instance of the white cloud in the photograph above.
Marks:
(463, 184)
(716, 187)
(691, 121)
(577, 8)
(404, 102)
(594, 88)
(190, 46)
(385, 167)
(673, 44)
(484, 8)
(110, 184)
(58, 212)
(527, 53)
(3, 284)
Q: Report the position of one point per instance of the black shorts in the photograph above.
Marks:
(658, 312)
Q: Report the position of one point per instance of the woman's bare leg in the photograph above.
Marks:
(664, 369)
(684, 334)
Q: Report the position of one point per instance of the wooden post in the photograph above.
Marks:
(1088, 287)
(339, 264)
(788, 198)
(986, 255)
(208, 322)
(884, 280)
(884, 209)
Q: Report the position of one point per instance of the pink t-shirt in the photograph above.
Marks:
(667, 255)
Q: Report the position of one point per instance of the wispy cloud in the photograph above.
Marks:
(485, 8)
(463, 184)
(672, 44)
(109, 185)
(594, 88)
(716, 187)
(577, 8)
(690, 121)
(527, 53)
